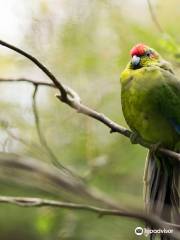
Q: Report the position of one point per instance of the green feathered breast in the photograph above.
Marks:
(151, 104)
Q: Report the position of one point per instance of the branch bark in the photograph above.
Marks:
(44, 173)
(74, 101)
(41, 136)
(154, 221)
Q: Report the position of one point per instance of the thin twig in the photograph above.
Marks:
(44, 171)
(54, 177)
(59, 180)
(26, 80)
(38, 128)
(41, 136)
(154, 221)
(39, 64)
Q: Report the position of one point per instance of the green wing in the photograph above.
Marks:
(169, 98)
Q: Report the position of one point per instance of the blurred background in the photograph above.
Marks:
(86, 45)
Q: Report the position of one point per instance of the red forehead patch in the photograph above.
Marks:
(138, 49)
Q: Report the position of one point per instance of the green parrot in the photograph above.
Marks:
(150, 95)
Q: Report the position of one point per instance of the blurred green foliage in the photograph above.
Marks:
(87, 48)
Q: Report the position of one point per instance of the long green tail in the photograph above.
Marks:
(161, 178)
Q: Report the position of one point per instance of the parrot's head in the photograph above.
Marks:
(143, 56)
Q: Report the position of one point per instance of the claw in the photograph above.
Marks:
(154, 147)
(134, 138)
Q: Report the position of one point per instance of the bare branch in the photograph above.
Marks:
(58, 179)
(42, 138)
(75, 103)
(33, 82)
(40, 65)
(154, 221)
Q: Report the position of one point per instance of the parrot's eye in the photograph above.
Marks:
(148, 53)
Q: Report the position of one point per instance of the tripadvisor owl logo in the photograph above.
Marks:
(139, 231)
(146, 231)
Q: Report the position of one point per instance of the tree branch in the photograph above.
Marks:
(39, 65)
(75, 103)
(153, 221)
(33, 82)
(51, 176)
(42, 138)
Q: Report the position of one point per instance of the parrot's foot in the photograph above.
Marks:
(134, 138)
(154, 147)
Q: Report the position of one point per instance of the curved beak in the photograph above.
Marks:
(135, 61)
